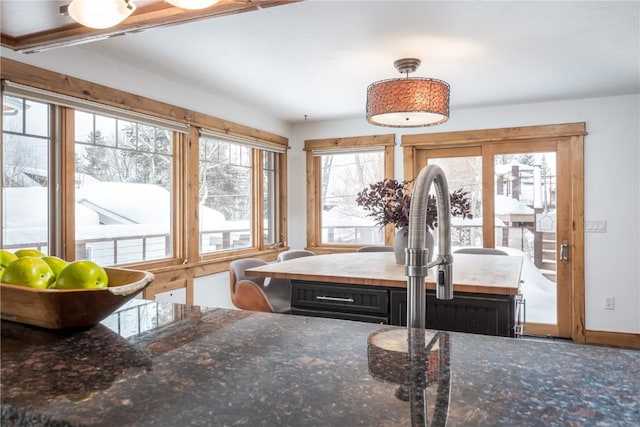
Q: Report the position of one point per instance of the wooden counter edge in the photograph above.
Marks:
(362, 281)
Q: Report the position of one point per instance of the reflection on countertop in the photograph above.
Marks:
(186, 365)
(418, 360)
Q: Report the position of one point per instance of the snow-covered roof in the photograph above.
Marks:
(506, 168)
(26, 212)
(506, 205)
(136, 202)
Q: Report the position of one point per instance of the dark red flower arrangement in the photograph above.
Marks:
(389, 201)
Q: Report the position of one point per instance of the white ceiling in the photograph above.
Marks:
(316, 58)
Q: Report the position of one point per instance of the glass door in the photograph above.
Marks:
(532, 204)
(525, 207)
(516, 191)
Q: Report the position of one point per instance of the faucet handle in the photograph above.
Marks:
(444, 281)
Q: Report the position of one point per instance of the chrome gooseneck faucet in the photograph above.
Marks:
(417, 266)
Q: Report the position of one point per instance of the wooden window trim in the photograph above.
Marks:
(43, 79)
(257, 202)
(314, 226)
(186, 262)
(499, 135)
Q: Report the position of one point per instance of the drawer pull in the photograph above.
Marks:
(323, 298)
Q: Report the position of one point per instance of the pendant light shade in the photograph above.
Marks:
(408, 102)
(193, 4)
(100, 13)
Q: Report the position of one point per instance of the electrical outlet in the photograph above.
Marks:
(596, 226)
(609, 303)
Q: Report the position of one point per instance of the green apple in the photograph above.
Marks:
(6, 258)
(82, 274)
(29, 271)
(29, 252)
(56, 264)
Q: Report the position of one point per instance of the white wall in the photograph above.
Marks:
(212, 291)
(84, 64)
(612, 188)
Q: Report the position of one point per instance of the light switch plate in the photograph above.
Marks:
(596, 226)
(609, 303)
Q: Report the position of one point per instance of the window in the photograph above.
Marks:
(269, 200)
(117, 181)
(225, 195)
(26, 160)
(238, 193)
(338, 171)
(123, 190)
(342, 176)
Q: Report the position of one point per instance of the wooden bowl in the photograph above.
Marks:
(71, 308)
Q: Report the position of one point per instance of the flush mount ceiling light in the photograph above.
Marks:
(192, 4)
(99, 13)
(408, 102)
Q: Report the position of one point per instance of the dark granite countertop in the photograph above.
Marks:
(153, 364)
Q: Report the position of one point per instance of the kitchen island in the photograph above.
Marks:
(371, 287)
(176, 365)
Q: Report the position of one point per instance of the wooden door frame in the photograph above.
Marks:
(572, 137)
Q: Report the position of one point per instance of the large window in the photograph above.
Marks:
(118, 181)
(342, 177)
(123, 190)
(336, 175)
(238, 194)
(26, 170)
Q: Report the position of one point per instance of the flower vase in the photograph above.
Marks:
(401, 242)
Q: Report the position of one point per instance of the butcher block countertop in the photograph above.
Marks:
(485, 274)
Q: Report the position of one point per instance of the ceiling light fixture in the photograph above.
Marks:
(99, 14)
(192, 4)
(409, 102)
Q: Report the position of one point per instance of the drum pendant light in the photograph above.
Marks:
(408, 102)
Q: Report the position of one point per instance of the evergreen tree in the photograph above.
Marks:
(227, 182)
(92, 158)
(135, 159)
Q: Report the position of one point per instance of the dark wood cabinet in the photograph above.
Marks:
(466, 312)
(365, 303)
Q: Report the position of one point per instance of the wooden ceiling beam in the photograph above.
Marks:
(144, 18)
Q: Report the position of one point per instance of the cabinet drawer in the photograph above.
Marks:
(343, 298)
